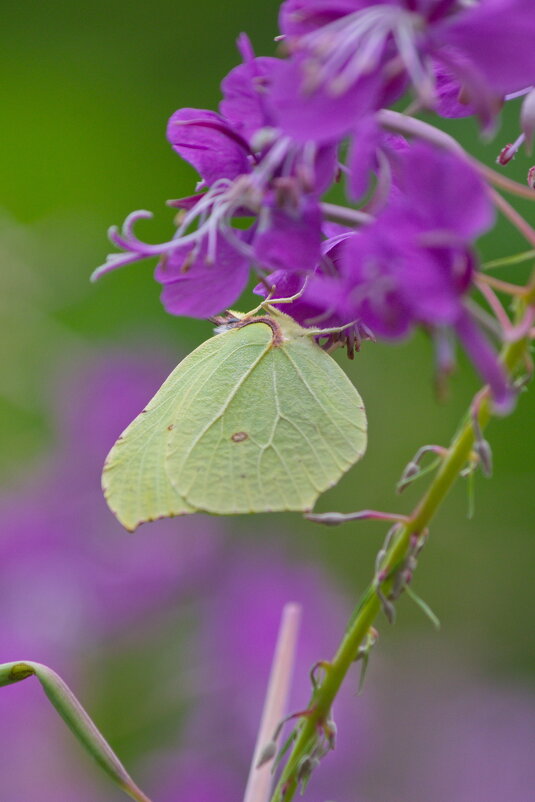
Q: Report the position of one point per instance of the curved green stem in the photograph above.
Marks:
(370, 605)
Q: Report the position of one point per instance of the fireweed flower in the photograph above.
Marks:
(249, 171)
(415, 264)
(263, 173)
(451, 101)
(353, 56)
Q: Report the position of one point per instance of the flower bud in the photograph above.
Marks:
(531, 177)
(306, 767)
(267, 754)
(330, 730)
(484, 452)
(410, 472)
(387, 607)
(506, 154)
(509, 151)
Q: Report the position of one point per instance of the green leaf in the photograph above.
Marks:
(257, 419)
(424, 607)
(76, 718)
(363, 671)
(284, 748)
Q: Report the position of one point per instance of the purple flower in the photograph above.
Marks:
(249, 172)
(415, 263)
(353, 56)
(290, 239)
(245, 91)
(209, 143)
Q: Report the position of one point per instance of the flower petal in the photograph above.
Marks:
(318, 113)
(363, 157)
(244, 90)
(289, 239)
(448, 93)
(208, 143)
(498, 36)
(432, 181)
(486, 362)
(199, 286)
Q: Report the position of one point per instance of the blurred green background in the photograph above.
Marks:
(86, 92)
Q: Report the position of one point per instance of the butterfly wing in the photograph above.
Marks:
(268, 433)
(242, 425)
(134, 479)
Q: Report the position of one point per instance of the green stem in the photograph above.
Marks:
(507, 261)
(369, 606)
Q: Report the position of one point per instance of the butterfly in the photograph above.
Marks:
(257, 419)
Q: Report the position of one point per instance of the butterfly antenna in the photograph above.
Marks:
(333, 330)
(288, 300)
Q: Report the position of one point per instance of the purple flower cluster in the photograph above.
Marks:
(257, 202)
(351, 57)
(289, 129)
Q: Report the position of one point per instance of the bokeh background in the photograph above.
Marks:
(166, 635)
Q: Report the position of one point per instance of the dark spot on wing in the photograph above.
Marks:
(239, 437)
(170, 427)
